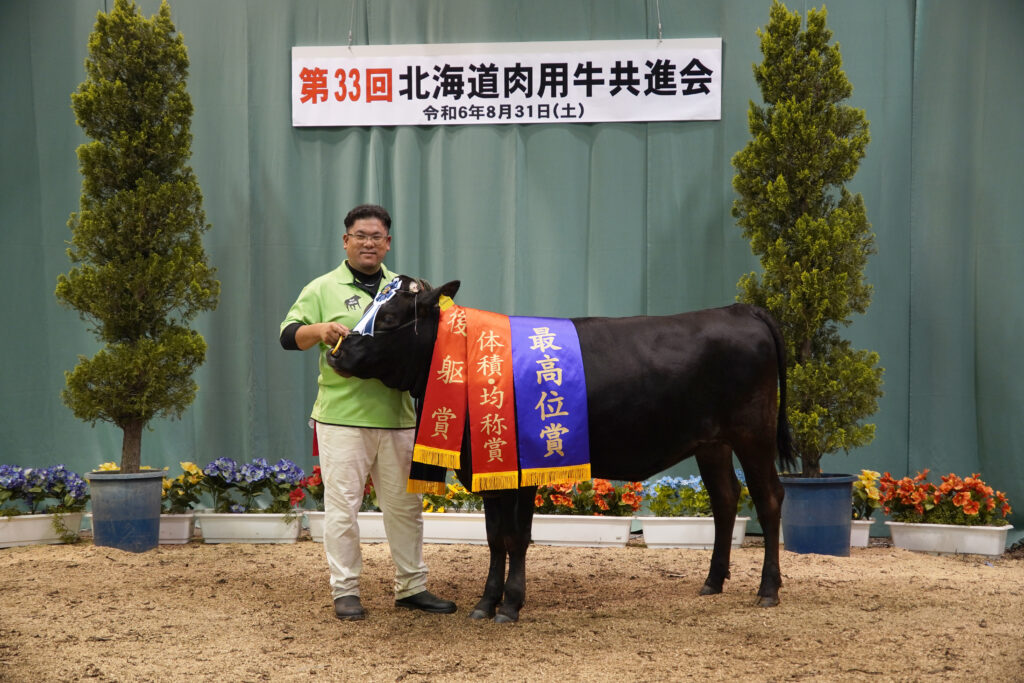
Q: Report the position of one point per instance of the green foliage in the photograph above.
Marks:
(679, 497)
(811, 234)
(140, 273)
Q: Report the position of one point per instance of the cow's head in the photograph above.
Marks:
(395, 338)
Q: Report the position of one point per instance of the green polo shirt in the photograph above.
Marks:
(350, 402)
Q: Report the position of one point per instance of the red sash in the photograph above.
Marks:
(439, 437)
(471, 366)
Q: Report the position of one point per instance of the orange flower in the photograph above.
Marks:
(961, 499)
(559, 499)
(601, 503)
(631, 499)
(538, 500)
(603, 487)
(971, 507)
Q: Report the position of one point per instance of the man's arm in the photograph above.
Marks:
(299, 337)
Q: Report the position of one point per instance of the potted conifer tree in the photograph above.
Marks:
(139, 272)
(813, 240)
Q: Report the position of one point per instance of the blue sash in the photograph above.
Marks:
(551, 401)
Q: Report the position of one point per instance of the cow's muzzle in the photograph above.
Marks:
(334, 359)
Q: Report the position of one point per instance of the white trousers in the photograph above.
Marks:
(347, 455)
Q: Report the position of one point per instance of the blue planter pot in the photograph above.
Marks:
(816, 514)
(126, 509)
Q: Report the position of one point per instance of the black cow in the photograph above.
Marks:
(659, 389)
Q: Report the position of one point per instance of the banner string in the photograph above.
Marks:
(657, 5)
(351, 23)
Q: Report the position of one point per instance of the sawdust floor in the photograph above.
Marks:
(263, 613)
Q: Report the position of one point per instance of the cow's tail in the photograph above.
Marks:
(783, 438)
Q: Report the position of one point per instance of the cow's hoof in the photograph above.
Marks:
(709, 590)
(479, 614)
(767, 601)
(503, 619)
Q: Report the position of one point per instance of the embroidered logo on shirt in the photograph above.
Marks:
(352, 302)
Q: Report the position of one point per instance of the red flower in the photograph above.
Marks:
(296, 496)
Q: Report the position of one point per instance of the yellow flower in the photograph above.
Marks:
(191, 468)
(108, 467)
(868, 477)
(872, 492)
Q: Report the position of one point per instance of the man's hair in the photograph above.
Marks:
(369, 211)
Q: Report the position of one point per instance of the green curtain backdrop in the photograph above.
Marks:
(555, 220)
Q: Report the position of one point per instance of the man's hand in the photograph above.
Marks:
(328, 333)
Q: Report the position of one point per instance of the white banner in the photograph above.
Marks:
(480, 83)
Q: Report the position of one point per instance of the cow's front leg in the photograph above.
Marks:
(715, 464)
(495, 585)
(517, 530)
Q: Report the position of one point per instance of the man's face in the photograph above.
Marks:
(366, 243)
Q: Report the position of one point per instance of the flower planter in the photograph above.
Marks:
(371, 526)
(315, 522)
(949, 539)
(696, 533)
(454, 527)
(591, 531)
(258, 527)
(438, 527)
(860, 532)
(176, 529)
(36, 529)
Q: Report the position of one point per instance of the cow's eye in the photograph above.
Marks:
(387, 321)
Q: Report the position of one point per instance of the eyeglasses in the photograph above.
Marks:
(360, 237)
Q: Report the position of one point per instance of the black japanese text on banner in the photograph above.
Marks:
(481, 83)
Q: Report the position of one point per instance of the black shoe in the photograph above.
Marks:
(428, 602)
(348, 608)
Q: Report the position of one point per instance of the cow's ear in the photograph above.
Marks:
(450, 288)
(433, 296)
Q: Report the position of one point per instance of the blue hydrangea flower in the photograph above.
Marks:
(287, 472)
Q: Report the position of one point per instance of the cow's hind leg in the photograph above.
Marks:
(767, 493)
(517, 528)
(715, 463)
(487, 607)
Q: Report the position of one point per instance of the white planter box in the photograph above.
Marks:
(371, 527)
(438, 527)
(950, 539)
(315, 522)
(248, 528)
(591, 531)
(176, 529)
(860, 533)
(35, 529)
(454, 527)
(696, 533)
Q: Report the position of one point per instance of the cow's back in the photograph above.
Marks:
(659, 386)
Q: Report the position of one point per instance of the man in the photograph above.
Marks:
(362, 427)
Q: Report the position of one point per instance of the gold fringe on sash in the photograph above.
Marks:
(420, 486)
(493, 481)
(542, 476)
(441, 457)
